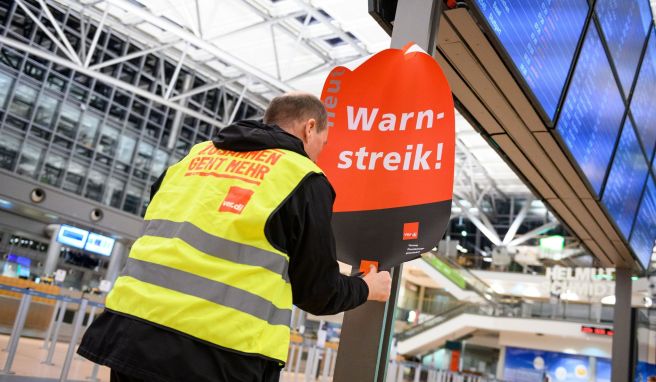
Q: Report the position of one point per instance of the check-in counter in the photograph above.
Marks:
(41, 309)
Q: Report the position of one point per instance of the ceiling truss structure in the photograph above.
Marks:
(190, 43)
(186, 44)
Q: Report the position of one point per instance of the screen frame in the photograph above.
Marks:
(59, 233)
(86, 245)
(517, 75)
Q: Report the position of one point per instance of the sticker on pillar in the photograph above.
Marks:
(390, 156)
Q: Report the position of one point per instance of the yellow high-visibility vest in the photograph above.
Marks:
(204, 266)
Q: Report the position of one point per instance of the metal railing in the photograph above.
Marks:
(52, 334)
(416, 372)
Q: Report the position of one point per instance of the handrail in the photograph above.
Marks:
(474, 282)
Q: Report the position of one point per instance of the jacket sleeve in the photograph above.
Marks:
(302, 226)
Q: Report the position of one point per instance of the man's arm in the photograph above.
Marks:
(302, 227)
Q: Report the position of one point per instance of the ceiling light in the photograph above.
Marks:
(648, 302)
(608, 300)
(463, 233)
(487, 259)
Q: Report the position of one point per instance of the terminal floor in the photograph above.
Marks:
(28, 367)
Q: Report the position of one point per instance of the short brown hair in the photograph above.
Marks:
(291, 107)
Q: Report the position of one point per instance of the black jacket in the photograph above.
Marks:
(301, 227)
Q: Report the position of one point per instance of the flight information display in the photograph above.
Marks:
(625, 25)
(592, 112)
(625, 180)
(643, 106)
(643, 237)
(541, 38)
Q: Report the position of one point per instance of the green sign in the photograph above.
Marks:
(447, 271)
(554, 243)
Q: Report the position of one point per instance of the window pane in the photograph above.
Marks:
(88, 129)
(23, 101)
(5, 84)
(53, 169)
(30, 159)
(9, 147)
(95, 185)
(143, 157)
(68, 120)
(132, 199)
(126, 148)
(56, 83)
(114, 192)
(45, 111)
(74, 177)
(159, 162)
(108, 140)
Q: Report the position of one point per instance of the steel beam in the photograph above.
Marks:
(533, 233)
(198, 42)
(107, 79)
(519, 219)
(131, 56)
(45, 30)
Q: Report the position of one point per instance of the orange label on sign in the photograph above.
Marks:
(411, 231)
(392, 133)
(365, 266)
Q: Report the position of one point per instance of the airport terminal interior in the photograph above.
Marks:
(544, 272)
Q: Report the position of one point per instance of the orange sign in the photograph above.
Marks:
(390, 155)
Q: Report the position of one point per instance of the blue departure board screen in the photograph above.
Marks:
(625, 25)
(592, 112)
(625, 180)
(643, 103)
(643, 236)
(541, 38)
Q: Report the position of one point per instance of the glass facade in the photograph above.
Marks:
(73, 132)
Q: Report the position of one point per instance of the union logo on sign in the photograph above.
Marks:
(411, 231)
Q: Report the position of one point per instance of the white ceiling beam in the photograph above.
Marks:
(45, 30)
(489, 233)
(533, 233)
(131, 56)
(338, 31)
(517, 222)
(59, 31)
(96, 36)
(198, 42)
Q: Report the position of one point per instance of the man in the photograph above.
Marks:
(235, 232)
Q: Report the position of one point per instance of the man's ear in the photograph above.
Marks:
(310, 127)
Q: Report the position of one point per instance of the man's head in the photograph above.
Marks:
(302, 115)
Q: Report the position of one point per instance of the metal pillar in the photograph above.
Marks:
(19, 322)
(368, 330)
(77, 326)
(54, 248)
(623, 362)
(115, 261)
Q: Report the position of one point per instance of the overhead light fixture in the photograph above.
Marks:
(463, 233)
(648, 302)
(608, 300)
(487, 259)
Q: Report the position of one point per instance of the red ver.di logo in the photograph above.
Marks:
(411, 231)
(236, 200)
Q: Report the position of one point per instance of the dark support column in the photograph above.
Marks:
(366, 337)
(623, 362)
(367, 331)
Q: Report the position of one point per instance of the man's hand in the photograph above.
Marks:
(379, 283)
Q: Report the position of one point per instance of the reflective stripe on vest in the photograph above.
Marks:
(209, 290)
(203, 265)
(206, 243)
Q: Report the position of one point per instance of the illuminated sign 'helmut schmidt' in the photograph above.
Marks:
(591, 282)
